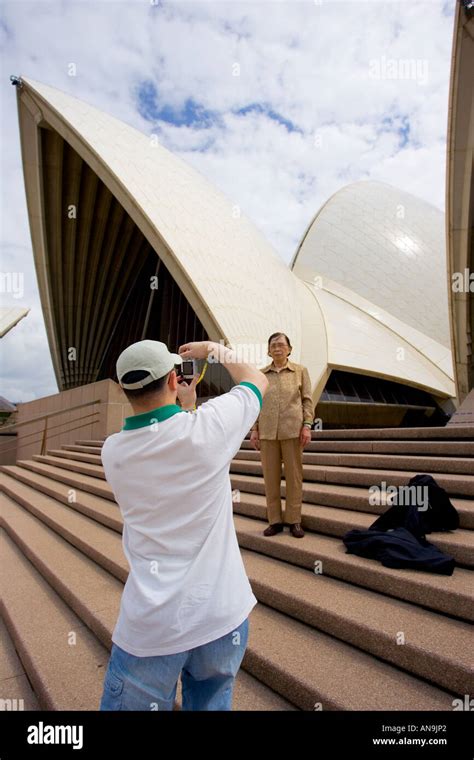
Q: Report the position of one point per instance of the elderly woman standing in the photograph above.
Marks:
(281, 432)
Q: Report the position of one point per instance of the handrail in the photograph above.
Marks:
(46, 417)
(51, 414)
(31, 443)
(55, 427)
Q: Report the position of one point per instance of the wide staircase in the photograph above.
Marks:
(332, 631)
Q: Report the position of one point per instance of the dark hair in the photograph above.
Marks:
(279, 335)
(149, 390)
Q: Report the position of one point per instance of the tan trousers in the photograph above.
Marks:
(272, 452)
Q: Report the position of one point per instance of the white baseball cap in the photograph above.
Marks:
(150, 356)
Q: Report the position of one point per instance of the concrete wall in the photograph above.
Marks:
(7, 448)
(92, 422)
(464, 417)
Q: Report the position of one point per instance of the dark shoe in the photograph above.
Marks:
(296, 530)
(272, 530)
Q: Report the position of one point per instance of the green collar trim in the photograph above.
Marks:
(148, 418)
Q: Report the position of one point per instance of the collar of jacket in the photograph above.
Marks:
(289, 365)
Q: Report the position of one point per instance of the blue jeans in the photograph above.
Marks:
(149, 683)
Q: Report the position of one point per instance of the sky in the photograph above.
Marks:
(279, 103)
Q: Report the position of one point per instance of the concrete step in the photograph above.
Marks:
(461, 485)
(91, 458)
(435, 647)
(315, 518)
(252, 695)
(336, 495)
(15, 689)
(84, 448)
(64, 660)
(455, 465)
(336, 522)
(103, 547)
(396, 434)
(100, 543)
(76, 480)
(63, 497)
(319, 672)
(455, 483)
(100, 509)
(85, 586)
(451, 473)
(66, 580)
(375, 434)
(408, 448)
(453, 594)
(93, 470)
(458, 485)
(355, 498)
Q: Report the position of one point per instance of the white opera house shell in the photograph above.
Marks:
(364, 300)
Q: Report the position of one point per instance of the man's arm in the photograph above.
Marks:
(239, 371)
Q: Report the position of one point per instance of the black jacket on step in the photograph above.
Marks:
(397, 538)
(397, 547)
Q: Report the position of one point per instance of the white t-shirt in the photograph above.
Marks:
(169, 471)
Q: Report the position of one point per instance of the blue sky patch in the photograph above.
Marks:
(268, 111)
(190, 114)
(400, 125)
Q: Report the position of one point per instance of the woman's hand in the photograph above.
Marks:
(255, 440)
(198, 349)
(186, 393)
(305, 436)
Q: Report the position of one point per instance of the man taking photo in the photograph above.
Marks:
(185, 606)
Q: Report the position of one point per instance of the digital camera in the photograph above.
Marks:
(186, 370)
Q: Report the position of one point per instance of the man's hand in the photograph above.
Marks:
(305, 436)
(187, 393)
(198, 349)
(255, 440)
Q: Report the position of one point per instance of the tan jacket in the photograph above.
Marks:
(287, 403)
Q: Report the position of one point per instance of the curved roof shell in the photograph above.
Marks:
(388, 247)
(131, 198)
